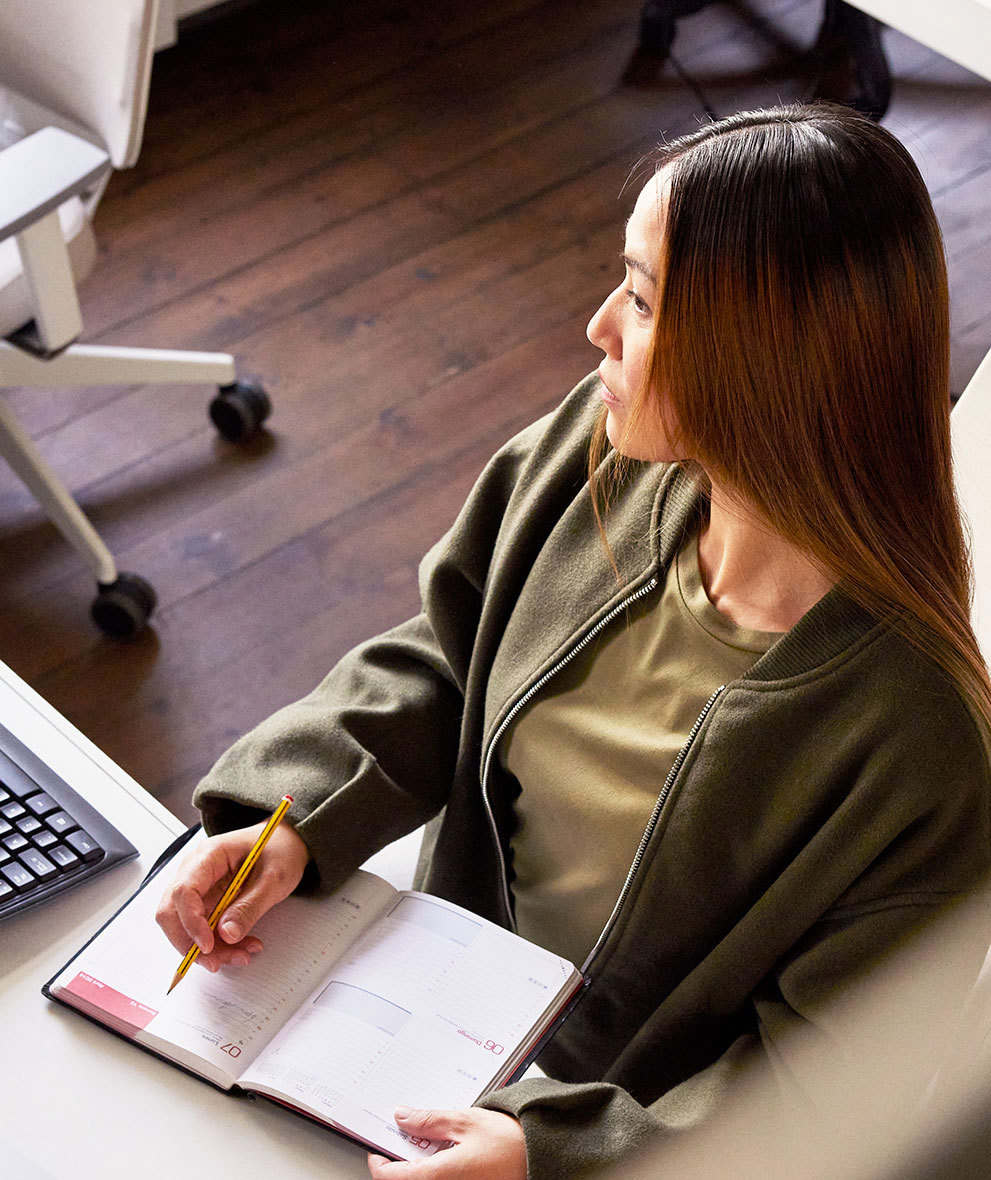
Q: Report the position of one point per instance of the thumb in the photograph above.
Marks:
(245, 910)
(278, 872)
(437, 1125)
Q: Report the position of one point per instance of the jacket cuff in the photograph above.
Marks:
(573, 1130)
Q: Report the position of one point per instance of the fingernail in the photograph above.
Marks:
(403, 1112)
(231, 932)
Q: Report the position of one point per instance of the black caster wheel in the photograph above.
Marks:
(121, 609)
(239, 410)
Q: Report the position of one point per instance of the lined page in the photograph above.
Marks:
(422, 1012)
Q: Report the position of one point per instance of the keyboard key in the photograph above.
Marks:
(4, 855)
(12, 810)
(5, 827)
(84, 845)
(64, 857)
(4, 793)
(61, 822)
(18, 876)
(42, 803)
(28, 825)
(40, 865)
(15, 842)
(6, 889)
(44, 839)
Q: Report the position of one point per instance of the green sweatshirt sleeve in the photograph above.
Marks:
(575, 1130)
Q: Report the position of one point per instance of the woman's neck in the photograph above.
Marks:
(752, 574)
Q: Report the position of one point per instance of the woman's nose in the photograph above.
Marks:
(601, 329)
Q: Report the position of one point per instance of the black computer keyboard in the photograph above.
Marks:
(51, 839)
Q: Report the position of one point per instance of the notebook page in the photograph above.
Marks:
(422, 1012)
(230, 1016)
(223, 1019)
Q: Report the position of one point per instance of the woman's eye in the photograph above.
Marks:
(639, 305)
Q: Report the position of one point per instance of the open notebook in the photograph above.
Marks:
(362, 1000)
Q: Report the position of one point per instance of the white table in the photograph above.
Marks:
(79, 1102)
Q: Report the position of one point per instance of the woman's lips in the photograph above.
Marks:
(607, 395)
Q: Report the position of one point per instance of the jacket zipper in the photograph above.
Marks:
(521, 703)
(649, 830)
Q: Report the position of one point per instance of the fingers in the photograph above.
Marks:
(184, 910)
(380, 1168)
(435, 1125)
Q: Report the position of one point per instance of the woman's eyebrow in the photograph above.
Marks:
(640, 267)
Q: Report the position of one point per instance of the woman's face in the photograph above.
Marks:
(623, 328)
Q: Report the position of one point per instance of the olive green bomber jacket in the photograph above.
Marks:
(830, 801)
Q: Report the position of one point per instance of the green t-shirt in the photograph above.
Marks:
(594, 748)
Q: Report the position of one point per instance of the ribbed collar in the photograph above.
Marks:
(829, 629)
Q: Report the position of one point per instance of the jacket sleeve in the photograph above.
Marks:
(574, 1130)
(369, 754)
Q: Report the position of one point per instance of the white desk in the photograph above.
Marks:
(113, 1111)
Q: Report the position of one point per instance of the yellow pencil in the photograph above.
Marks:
(234, 888)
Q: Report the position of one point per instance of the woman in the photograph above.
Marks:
(716, 727)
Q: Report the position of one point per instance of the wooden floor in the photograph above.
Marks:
(398, 215)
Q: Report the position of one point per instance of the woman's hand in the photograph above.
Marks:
(488, 1145)
(202, 878)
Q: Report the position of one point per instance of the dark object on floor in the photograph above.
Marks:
(852, 67)
(848, 56)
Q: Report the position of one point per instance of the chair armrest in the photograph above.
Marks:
(41, 171)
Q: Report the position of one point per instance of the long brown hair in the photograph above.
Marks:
(801, 339)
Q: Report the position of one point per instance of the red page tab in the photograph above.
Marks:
(97, 995)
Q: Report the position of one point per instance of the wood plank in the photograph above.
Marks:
(236, 70)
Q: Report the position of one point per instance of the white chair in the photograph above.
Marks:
(74, 80)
